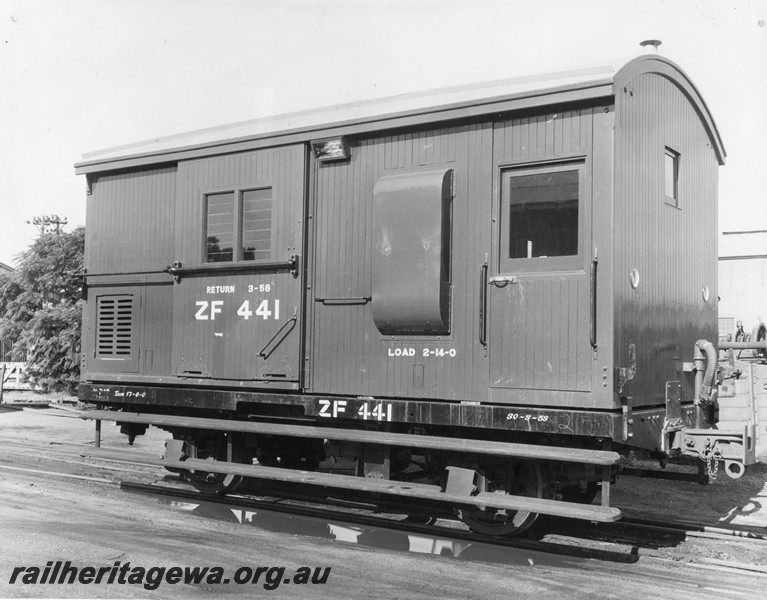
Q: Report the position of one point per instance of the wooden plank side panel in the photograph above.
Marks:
(673, 248)
(130, 229)
(477, 215)
(540, 345)
(131, 221)
(343, 217)
(346, 335)
(158, 321)
(349, 354)
(546, 136)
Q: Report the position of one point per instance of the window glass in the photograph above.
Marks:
(256, 224)
(543, 214)
(220, 227)
(671, 168)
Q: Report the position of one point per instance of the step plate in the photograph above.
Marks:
(483, 500)
(528, 451)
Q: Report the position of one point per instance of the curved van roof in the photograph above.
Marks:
(589, 83)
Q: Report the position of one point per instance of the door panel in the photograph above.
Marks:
(539, 333)
(400, 232)
(237, 300)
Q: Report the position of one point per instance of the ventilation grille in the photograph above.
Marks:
(114, 333)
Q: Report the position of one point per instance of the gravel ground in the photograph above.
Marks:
(49, 518)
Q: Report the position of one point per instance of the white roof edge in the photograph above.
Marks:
(367, 109)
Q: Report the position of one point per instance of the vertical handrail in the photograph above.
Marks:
(594, 263)
(483, 304)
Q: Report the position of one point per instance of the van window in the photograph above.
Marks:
(543, 215)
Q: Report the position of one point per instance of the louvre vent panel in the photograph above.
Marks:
(114, 332)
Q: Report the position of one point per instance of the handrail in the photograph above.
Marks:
(85, 274)
(594, 264)
(483, 304)
(344, 300)
(286, 328)
(178, 270)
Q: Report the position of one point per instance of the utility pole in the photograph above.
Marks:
(48, 224)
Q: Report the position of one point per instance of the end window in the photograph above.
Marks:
(238, 225)
(671, 174)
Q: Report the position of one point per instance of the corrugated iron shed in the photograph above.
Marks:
(734, 245)
(743, 279)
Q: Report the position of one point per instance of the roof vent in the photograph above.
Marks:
(650, 46)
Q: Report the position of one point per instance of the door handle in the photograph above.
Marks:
(503, 280)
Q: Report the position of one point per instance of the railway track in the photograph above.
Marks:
(623, 542)
(354, 514)
(634, 538)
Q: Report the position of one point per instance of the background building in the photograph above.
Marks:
(742, 279)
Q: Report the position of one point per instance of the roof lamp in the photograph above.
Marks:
(331, 149)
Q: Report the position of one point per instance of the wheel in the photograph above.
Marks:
(213, 483)
(214, 448)
(522, 478)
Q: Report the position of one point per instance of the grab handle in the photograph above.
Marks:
(594, 264)
(483, 305)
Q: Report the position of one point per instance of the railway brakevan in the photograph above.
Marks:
(474, 299)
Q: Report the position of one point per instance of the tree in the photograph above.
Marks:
(41, 309)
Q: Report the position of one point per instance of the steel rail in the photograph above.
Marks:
(693, 529)
(356, 513)
(317, 511)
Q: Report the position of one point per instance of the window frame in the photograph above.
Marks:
(676, 158)
(551, 263)
(205, 225)
(237, 225)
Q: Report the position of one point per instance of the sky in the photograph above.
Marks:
(78, 76)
